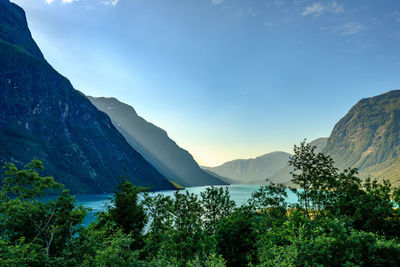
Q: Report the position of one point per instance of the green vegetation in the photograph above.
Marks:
(339, 220)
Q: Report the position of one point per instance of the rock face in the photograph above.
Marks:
(252, 170)
(368, 137)
(43, 117)
(155, 145)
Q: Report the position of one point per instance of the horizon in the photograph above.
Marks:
(225, 79)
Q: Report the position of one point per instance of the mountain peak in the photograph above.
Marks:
(14, 29)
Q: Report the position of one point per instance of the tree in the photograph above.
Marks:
(316, 176)
(126, 211)
(28, 221)
(217, 204)
(236, 237)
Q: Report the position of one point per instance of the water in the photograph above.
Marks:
(239, 193)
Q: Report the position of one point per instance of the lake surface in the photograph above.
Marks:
(239, 193)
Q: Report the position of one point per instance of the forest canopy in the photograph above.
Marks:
(339, 220)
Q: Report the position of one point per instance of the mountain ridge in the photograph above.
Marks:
(42, 116)
(155, 145)
(368, 136)
(279, 174)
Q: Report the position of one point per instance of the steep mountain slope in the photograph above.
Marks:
(368, 137)
(250, 170)
(283, 175)
(155, 145)
(42, 116)
(224, 179)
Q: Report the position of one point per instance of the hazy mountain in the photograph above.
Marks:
(155, 145)
(272, 166)
(283, 175)
(250, 170)
(368, 137)
(43, 117)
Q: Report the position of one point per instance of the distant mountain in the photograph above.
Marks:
(251, 170)
(155, 145)
(43, 117)
(283, 175)
(368, 137)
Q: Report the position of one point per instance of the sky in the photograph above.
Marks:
(226, 79)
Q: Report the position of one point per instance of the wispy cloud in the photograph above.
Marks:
(63, 1)
(317, 9)
(350, 28)
(110, 2)
(216, 2)
(104, 2)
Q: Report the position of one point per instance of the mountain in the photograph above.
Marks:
(224, 179)
(283, 175)
(272, 166)
(43, 117)
(368, 137)
(252, 170)
(155, 145)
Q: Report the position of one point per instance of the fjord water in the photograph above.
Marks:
(240, 193)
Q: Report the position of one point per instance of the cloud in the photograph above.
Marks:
(110, 2)
(216, 2)
(104, 2)
(63, 1)
(351, 28)
(317, 9)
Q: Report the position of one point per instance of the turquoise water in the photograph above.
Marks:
(239, 193)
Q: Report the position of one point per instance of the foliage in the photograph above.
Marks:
(340, 220)
(236, 237)
(126, 212)
(30, 228)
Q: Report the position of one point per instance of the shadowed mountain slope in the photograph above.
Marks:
(155, 145)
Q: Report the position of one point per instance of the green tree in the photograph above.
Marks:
(236, 237)
(49, 227)
(127, 212)
(217, 204)
(315, 174)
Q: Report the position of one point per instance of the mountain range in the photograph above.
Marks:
(42, 116)
(366, 138)
(272, 166)
(154, 144)
(252, 170)
(88, 143)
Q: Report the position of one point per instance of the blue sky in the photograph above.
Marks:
(226, 79)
